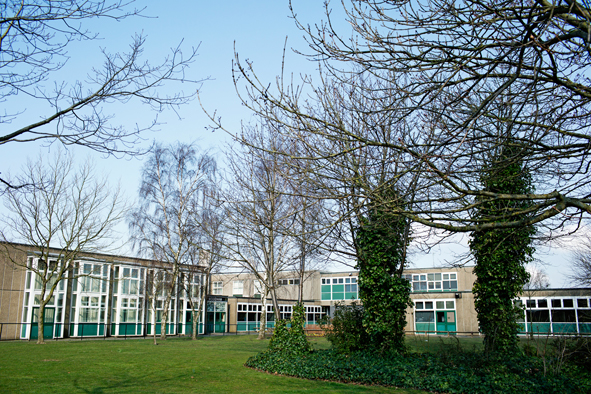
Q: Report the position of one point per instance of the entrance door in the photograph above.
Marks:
(48, 323)
(446, 321)
(216, 317)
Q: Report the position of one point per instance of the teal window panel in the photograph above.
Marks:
(338, 288)
(338, 296)
(325, 288)
(564, 328)
(425, 327)
(585, 328)
(350, 296)
(326, 296)
(538, 328)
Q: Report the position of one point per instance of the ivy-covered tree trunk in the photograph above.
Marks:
(381, 241)
(501, 254)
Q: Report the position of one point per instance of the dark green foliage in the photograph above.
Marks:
(445, 373)
(345, 330)
(291, 340)
(381, 242)
(501, 254)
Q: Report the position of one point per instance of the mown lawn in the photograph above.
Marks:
(208, 365)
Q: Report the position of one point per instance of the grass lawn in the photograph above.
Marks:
(209, 365)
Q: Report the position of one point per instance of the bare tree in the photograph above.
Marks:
(581, 264)
(34, 41)
(441, 71)
(163, 226)
(207, 252)
(64, 213)
(258, 210)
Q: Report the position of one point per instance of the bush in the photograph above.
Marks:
(445, 373)
(345, 330)
(291, 340)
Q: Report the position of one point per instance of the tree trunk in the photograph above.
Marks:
(275, 305)
(195, 316)
(263, 319)
(163, 325)
(40, 321)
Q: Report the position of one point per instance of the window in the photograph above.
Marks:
(89, 310)
(130, 282)
(284, 282)
(217, 288)
(194, 285)
(91, 279)
(435, 281)
(258, 287)
(313, 314)
(128, 312)
(238, 288)
(339, 288)
(557, 315)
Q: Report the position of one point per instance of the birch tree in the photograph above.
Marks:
(163, 226)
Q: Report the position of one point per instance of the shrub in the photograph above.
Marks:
(446, 373)
(345, 330)
(291, 340)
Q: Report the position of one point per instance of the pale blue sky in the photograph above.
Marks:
(258, 29)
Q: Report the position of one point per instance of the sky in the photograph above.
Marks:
(258, 31)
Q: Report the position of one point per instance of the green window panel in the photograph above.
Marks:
(325, 288)
(585, 328)
(564, 328)
(326, 296)
(536, 328)
(87, 330)
(338, 288)
(424, 327)
(350, 296)
(338, 296)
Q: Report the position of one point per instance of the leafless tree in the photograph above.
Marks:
(581, 264)
(34, 41)
(258, 209)
(442, 72)
(64, 212)
(163, 226)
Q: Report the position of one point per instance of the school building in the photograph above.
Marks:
(107, 295)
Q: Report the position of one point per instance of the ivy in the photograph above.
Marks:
(291, 340)
(345, 331)
(381, 242)
(501, 254)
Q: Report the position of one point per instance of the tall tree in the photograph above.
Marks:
(382, 241)
(441, 80)
(501, 254)
(163, 227)
(35, 37)
(60, 214)
(259, 209)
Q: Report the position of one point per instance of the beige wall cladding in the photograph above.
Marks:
(12, 285)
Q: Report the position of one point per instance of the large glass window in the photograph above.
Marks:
(556, 315)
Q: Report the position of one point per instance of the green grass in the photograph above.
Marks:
(208, 365)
